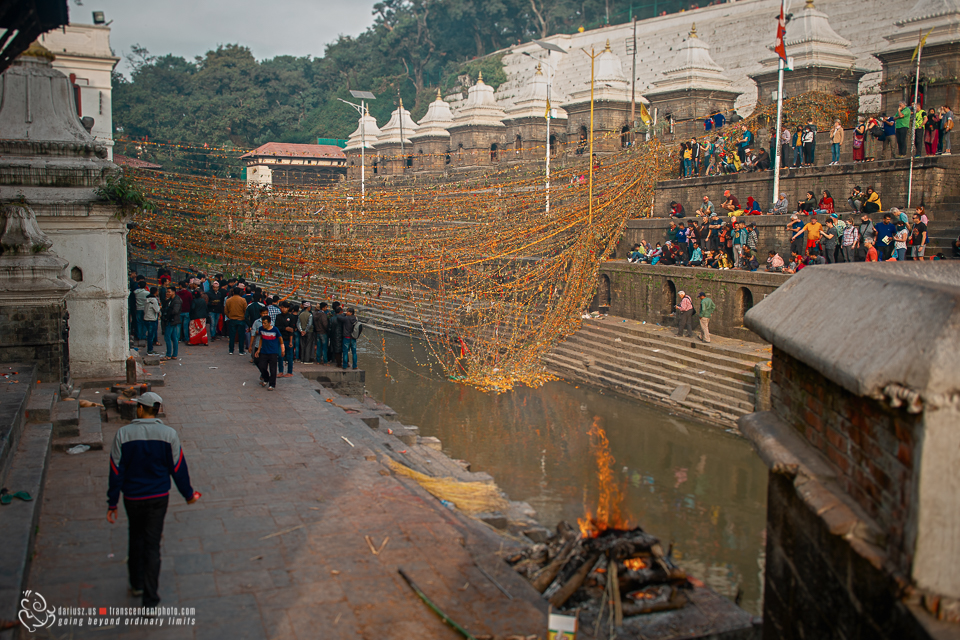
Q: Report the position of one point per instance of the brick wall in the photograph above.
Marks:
(817, 586)
(870, 447)
(34, 334)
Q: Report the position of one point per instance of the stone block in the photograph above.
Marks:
(66, 419)
(494, 518)
(537, 535)
(431, 443)
(680, 393)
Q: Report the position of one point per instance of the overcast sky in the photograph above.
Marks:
(190, 28)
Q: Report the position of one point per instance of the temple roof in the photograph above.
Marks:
(693, 68)
(390, 134)
(812, 42)
(369, 134)
(437, 119)
(291, 150)
(533, 100)
(481, 107)
(609, 82)
(939, 20)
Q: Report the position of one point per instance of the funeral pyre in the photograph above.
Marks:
(605, 567)
(618, 573)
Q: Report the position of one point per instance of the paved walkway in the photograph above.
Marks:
(275, 548)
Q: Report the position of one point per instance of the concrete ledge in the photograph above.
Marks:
(18, 520)
(860, 299)
(786, 453)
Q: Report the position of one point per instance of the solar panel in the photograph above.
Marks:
(363, 95)
(549, 46)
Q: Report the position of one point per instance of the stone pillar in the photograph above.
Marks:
(33, 313)
(51, 163)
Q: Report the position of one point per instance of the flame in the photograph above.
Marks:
(611, 495)
(635, 564)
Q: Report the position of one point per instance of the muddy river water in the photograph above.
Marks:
(693, 485)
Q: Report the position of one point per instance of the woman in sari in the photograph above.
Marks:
(859, 136)
(198, 319)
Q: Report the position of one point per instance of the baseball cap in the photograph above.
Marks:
(149, 399)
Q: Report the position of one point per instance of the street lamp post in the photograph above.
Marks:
(362, 110)
(549, 46)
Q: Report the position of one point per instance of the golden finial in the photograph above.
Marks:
(539, 69)
(608, 45)
(480, 78)
(809, 5)
(693, 30)
(37, 50)
(439, 97)
(401, 105)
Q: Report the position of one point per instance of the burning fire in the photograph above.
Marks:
(635, 564)
(611, 495)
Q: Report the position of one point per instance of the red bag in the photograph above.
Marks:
(198, 331)
(220, 325)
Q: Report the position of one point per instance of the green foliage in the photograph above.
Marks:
(228, 98)
(121, 191)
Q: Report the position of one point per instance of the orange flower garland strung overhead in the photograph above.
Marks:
(477, 267)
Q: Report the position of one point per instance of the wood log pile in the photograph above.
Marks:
(619, 573)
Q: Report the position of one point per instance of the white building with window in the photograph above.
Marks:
(83, 54)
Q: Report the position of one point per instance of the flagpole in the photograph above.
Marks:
(781, 50)
(776, 160)
(913, 119)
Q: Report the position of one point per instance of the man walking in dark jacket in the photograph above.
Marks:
(170, 315)
(348, 321)
(144, 455)
(335, 334)
(321, 325)
(287, 325)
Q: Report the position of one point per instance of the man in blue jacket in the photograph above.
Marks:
(144, 455)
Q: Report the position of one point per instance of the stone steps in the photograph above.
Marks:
(89, 431)
(704, 383)
(674, 357)
(717, 412)
(714, 381)
(18, 520)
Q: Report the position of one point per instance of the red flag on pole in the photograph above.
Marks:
(781, 48)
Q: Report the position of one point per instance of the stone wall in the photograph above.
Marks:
(936, 180)
(869, 446)
(648, 293)
(35, 334)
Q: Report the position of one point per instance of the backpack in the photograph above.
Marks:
(877, 132)
(357, 330)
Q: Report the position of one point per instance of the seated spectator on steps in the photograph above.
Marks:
(654, 255)
(809, 205)
(825, 205)
(872, 205)
(748, 262)
(774, 262)
(753, 207)
(676, 210)
(761, 161)
(815, 257)
(730, 202)
(696, 256)
(706, 208)
(856, 199)
(636, 254)
(781, 207)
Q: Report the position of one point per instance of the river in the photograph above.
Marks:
(697, 486)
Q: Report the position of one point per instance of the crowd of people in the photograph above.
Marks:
(276, 332)
(876, 137)
(707, 240)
